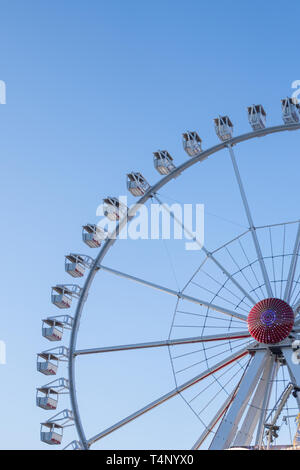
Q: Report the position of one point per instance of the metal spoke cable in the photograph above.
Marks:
(218, 417)
(207, 212)
(206, 322)
(205, 360)
(173, 369)
(219, 296)
(241, 323)
(251, 267)
(171, 264)
(233, 377)
(201, 326)
(239, 269)
(208, 348)
(209, 254)
(195, 273)
(224, 287)
(226, 371)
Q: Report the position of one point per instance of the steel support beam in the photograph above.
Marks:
(228, 427)
(266, 400)
(245, 434)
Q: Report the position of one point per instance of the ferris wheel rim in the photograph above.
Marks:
(199, 158)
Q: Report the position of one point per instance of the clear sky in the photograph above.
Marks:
(93, 88)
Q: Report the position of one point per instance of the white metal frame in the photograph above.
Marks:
(233, 408)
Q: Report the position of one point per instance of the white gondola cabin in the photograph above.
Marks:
(223, 128)
(163, 162)
(114, 209)
(47, 395)
(257, 117)
(290, 111)
(92, 235)
(47, 398)
(52, 430)
(51, 433)
(61, 296)
(47, 363)
(75, 265)
(192, 143)
(137, 185)
(52, 329)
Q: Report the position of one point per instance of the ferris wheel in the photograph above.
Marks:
(233, 340)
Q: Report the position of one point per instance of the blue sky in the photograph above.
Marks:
(93, 88)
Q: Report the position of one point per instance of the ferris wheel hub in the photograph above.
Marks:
(270, 321)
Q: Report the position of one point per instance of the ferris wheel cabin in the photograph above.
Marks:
(257, 117)
(114, 209)
(61, 296)
(192, 143)
(163, 162)
(92, 235)
(137, 185)
(290, 111)
(47, 398)
(75, 265)
(52, 329)
(223, 128)
(47, 363)
(47, 395)
(51, 433)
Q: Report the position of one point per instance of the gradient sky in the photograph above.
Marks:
(93, 88)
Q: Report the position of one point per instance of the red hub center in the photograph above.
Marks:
(270, 321)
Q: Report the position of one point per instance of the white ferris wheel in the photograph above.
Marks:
(237, 368)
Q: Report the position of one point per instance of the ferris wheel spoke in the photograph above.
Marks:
(293, 266)
(176, 391)
(206, 251)
(251, 224)
(179, 295)
(169, 342)
(227, 429)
